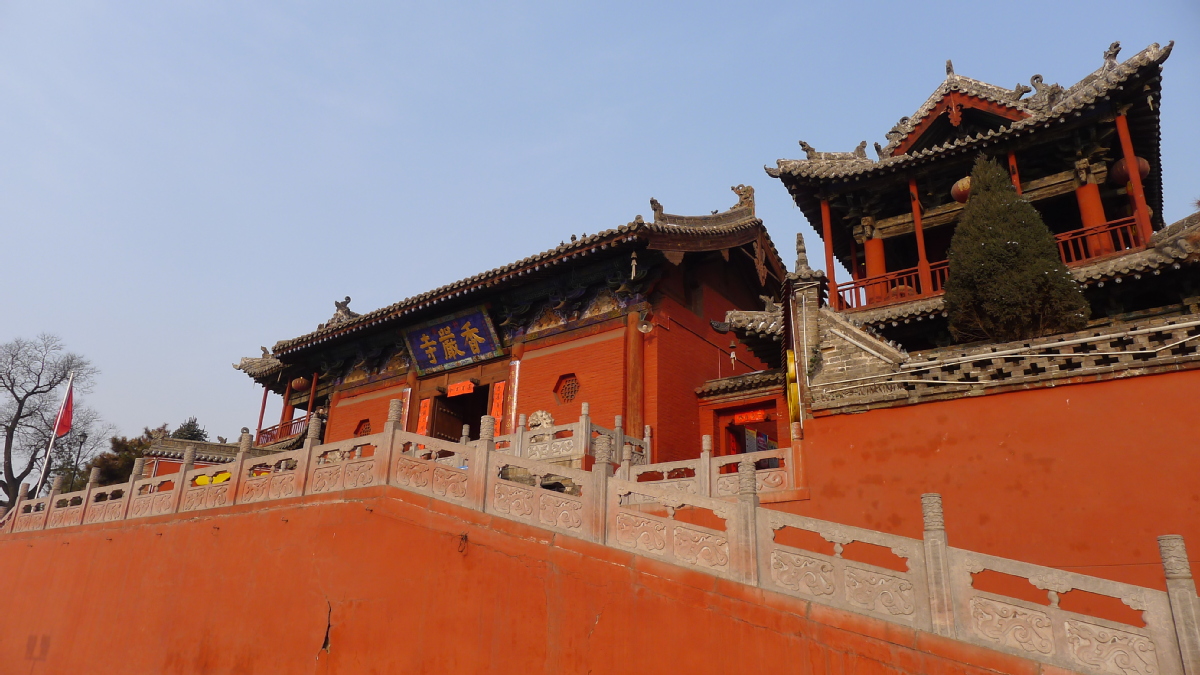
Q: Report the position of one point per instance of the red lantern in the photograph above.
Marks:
(961, 190)
(300, 384)
(1119, 175)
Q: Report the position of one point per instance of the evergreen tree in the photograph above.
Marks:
(1006, 279)
(117, 464)
(190, 431)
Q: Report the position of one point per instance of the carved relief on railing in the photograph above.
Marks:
(209, 488)
(665, 537)
(1111, 651)
(430, 466)
(767, 479)
(345, 465)
(154, 496)
(802, 574)
(107, 504)
(517, 489)
(1051, 634)
(32, 515)
(271, 477)
(1026, 629)
(879, 592)
(853, 585)
(66, 510)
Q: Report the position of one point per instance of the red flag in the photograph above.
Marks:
(62, 425)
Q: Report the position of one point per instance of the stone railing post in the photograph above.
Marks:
(518, 442)
(704, 467)
(393, 426)
(646, 442)
(1185, 607)
(478, 469)
(465, 438)
(741, 528)
(584, 431)
(15, 508)
(595, 504)
(626, 461)
(618, 441)
(312, 440)
(55, 487)
(245, 442)
(181, 485)
(139, 467)
(93, 478)
(937, 565)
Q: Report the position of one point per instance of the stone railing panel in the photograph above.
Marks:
(31, 515)
(665, 537)
(106, 504)
(517, 489)
(67, 509)
(771, 479)
(831, 579)
(1048, 633)
(430, 466)
(276, 476)
(352, 463)
(210, 487)
(154, 496)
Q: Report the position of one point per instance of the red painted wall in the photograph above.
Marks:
(385, 583)
(683, 352)
(598, 360)
(372, 404)
(1081, 477)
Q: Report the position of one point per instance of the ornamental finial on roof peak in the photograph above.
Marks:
(949, 67)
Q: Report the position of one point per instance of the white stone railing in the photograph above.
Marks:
(704, 477)
(930, 588)
(538, 437)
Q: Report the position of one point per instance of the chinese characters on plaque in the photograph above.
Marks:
(452, 341)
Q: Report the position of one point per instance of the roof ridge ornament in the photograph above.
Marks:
(745, 195)
(859, 153)
(949, 68)
(1110, 55)
(341, 315)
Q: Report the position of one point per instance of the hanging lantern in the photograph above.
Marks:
(300, 384)
(1119, 175)
(961, 190)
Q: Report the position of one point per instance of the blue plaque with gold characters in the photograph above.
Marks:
(451, 341)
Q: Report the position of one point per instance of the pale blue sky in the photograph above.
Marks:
(182, 182)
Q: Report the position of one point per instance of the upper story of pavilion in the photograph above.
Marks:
(889, 221)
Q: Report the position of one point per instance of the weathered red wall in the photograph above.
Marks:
(388, 578)
(598, 360)
(682, 353)
(1081, 477)
(370, 404)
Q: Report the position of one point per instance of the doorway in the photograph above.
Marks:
(451, 413)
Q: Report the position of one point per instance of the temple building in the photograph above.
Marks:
(661, 425)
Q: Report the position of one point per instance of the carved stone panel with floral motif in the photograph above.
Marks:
(802, 574)
(1111, 651)
(1012, 626)
(879, 592)
(641, 533)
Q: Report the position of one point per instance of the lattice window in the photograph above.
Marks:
(567, 388)
(363, 429)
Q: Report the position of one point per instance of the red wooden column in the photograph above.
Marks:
(835, 300)
(1141, 214)
(1013, 173)
(922, 261)
(1091, 211)
(285, 415)
(854, 271)
(634, 368)
(876, 267)
(262, 412)
(312, 397)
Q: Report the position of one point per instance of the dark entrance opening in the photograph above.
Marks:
(450, 413)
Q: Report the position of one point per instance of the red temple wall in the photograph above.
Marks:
(1081, 477)
(372, 404)
(597, 360)
(386, 583)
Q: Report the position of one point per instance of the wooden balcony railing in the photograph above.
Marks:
(1090, 243)
(283, 431)
(893, 287)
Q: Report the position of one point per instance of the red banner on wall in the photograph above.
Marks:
(423, 417)
(497, 409)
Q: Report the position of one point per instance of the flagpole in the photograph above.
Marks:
(53, 436)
